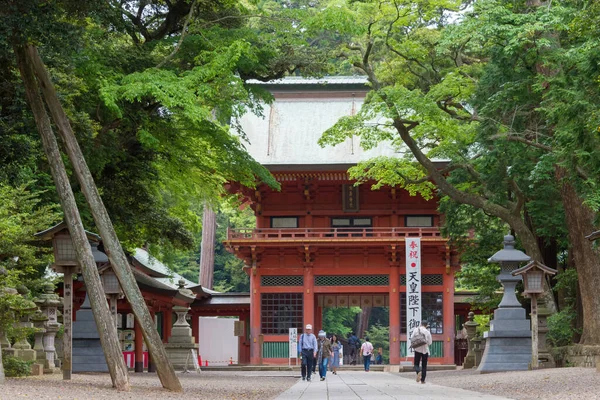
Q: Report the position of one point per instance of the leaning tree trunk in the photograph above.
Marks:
(104, 320)
(587, 259)
(115, 253)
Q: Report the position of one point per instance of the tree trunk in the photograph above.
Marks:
(363, 321)
(587, 259)
(115, 253)
(104, 322)
(207, 250)
(1, 368)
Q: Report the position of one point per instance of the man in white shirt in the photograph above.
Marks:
(422, 352)
(308, 348)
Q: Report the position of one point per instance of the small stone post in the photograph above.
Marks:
(546, 359)
(22, 347)
(477, 348)
(7, 350)
(471, 327)
(48, 303)
(39, 322)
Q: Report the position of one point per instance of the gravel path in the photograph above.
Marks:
(560, 383)
(557, 383)
(206, 385)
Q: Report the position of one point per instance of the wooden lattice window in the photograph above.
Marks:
(433, 311)
(281, 280)
(414, 221)
(432, 307)
(281, 311)
(426, 280)
(352, 280)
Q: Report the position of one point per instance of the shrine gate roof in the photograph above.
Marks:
(288, 132)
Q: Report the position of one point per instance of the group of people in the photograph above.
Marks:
(325, 352)
(320, 351)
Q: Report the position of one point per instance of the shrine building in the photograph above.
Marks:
(322, 242)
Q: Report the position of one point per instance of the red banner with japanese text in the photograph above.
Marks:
(413, 287)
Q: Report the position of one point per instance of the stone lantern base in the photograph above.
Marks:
(508, 346)
(181, 342)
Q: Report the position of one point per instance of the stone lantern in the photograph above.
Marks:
(22, 347)
(508, 342)
(39, 323)
(471, 327)
(48, 303)
(182, 344)
(65, 262)
(533, 281)
(112, 288)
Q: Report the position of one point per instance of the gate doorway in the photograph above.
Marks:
(362, 315)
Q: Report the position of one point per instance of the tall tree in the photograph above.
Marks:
(455, 85)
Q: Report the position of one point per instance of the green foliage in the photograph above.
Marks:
(483, 320)
(15, 367)
(380, 337)
(561, 327)
(567, 281)
(21, 216)
(340, 321)
(229, 274)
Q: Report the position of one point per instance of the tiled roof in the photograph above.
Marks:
(327, 80)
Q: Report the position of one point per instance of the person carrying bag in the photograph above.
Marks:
(420, 340)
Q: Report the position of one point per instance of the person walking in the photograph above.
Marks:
(335, 356)
(420, 340)
(308, 349)
(366, 350)
(324, 353)
(352, 346)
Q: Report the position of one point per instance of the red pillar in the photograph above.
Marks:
(151, 366)
(449, 329)
(255, 350)
(138, 347)
(243, 344)
(318, 316)
(167, 324)
(309, 297)
(394, 314)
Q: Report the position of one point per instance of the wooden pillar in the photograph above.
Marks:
(207, 250)
(151, 365)
(138, 347)
(255, 346)
(168, 324)
(394, 314)
(309, 297)
(448, 310)
(67, 364)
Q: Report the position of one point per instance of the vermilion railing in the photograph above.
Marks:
(328, 233)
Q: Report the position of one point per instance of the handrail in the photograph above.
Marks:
(328, 233)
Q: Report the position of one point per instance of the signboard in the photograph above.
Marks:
(293, 343)
(413, 287)
(350, 198)
(239, 328)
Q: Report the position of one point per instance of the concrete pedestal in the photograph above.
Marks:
(88, 355)
(508, 346)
